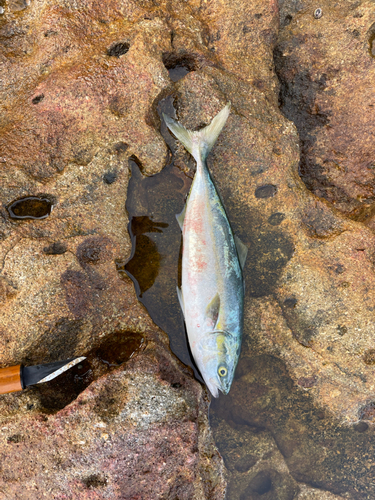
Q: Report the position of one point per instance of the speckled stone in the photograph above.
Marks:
(79, 88)
(134, 433)
(326, 68)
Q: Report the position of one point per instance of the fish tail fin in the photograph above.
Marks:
(207, 136)
(199, 143)
(182, 134)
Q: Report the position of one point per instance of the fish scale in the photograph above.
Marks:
(212, 288)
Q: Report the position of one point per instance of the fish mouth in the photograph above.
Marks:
(224, 390)
(212, 387)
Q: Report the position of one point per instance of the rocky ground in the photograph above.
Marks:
(80, 87)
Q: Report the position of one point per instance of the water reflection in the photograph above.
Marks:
(152, 204)
(145, 250)
(156, 237)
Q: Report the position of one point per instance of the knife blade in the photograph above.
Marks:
(16, 378)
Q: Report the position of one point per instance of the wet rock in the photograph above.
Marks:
(318, 449)
(314, 449)
(79, 97)
(96, 445)
(256, 467)
(331, 110)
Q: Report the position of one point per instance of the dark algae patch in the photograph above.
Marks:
(267, 191)
(369, 357)
(56, 248)
(95, 481)
(110, 177)
(37, 99)
(61, 391)
(276, 219)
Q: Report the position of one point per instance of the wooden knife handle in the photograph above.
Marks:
(10, 379)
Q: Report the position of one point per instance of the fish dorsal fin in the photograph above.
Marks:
(213, 309)
(199, 143)
(180, 217)
(181, 300)
(241, 251)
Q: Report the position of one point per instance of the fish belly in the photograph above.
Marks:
(200, 267)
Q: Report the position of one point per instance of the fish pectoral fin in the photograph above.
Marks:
(213, 309)
(181, 300)
(241, 251)
(180, 217)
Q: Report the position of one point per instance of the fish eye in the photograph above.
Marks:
(222, 371)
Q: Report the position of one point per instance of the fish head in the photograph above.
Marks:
(216, 357)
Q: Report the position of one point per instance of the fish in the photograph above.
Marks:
(212, 285)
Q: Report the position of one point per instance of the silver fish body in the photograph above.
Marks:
(212, 288)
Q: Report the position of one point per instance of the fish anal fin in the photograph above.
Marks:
(213, 309)
(181, 300)
(241, 251)
(180, 217)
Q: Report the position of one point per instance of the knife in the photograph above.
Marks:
(17, 378)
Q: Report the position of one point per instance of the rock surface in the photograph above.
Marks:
(138, 432)
(307, 445)
(256, 466)
(80, 87)
(325, 62)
